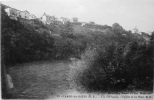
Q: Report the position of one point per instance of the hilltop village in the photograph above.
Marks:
(26, 17)
(16, 14)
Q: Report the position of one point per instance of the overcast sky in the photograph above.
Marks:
(128, 13)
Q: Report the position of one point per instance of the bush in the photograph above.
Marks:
(116, 67)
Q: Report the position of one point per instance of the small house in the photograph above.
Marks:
(64, 20)
(47, 19)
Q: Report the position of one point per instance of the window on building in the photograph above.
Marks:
(13, 13)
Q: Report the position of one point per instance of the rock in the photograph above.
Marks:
(9, 80)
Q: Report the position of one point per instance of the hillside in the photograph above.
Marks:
(81, 30)
(103, 58)
(40, 80)
(23, 42)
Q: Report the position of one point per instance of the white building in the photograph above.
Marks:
(83, 23)
(135, 30)
(14, 14)
(32, 16)
(64, 20)
(47, 19)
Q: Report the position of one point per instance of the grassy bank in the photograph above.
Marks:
(40, 79)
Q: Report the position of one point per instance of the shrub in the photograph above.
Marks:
(116, 67)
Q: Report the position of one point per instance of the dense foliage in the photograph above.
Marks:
(117, 62)
(114, 59)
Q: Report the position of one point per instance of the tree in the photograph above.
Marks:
(67, 30)
(117, 29)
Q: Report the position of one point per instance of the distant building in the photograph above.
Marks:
(64, 20)
(25, 15)
(32, 16)
(83, 23)
(15, 14)
(47, 19)
(75, 20)
(135, 30)
(12, 13)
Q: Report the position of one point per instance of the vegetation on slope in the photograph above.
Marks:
(114, 59)
(26, 43)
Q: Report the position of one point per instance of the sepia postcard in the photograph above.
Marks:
(77, 49)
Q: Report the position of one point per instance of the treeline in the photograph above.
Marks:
(116, 61)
